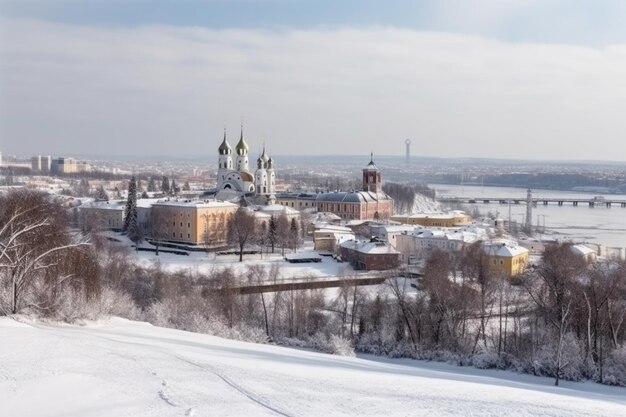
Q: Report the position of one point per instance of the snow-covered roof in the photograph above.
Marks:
(369, 247)
(105, 205)
(327, 216)
(445, 216)
(504, 249)
(277, 208)
(352, 197)
(399, 228)
(583, 250)
(333, 228)
(195, 203)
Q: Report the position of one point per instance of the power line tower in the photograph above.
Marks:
(529, 212)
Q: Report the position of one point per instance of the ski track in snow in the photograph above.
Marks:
(123, 368)
(255, 398)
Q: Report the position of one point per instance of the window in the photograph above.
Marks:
(188, 236)
(188, 225)
(181, 235)
(181, 224)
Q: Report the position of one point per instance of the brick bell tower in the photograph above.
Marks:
(372, 181)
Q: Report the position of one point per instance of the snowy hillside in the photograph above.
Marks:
(122, 368)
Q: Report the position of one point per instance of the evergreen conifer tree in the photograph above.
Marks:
(134, 233)
(165, 185)
(151, 185)
(293, 234)
(101, 194)
(174, 187)
(130, 211)
(272, 234)
(186, 186)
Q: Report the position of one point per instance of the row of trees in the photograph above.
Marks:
(166, 186)
(244, 231)
(404, 195)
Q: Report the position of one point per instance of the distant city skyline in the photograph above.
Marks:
(479, 79)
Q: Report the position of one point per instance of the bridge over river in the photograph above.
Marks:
(591, 202)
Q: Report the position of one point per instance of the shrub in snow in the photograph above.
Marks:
(615, 367)
(182, 315)
(73, 306)
(492, 360)
(333, 344)
(374, 343)
(572, 363)
(338, 345)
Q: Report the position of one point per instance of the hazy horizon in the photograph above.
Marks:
(520, 80)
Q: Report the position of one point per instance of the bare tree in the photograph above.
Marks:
(34, 242)
(474, 266)
(552, 287)
(282, 231)
(241, 230)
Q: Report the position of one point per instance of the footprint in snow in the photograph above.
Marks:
(167, 399)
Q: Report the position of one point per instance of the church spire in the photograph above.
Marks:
(242, 146)
(225, 148)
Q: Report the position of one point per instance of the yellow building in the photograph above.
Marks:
(453, 219)
(191, 222)
(506, 259)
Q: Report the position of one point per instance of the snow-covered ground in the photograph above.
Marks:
(122, 368)
(203, 263)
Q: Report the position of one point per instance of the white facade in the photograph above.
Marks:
(239, 180)
(420, 243)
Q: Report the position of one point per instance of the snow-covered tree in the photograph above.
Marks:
(272, 233)
(165, 185)
(37, 254)
(151, 185)
(130, 212)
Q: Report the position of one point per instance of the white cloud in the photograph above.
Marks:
(168, 90)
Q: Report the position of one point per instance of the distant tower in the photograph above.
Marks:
(408, 151)
(265, 178)
(371, 177)
(529, 212)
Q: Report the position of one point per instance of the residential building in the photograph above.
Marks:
(369, 256)
(299, 201)
(63, 165)
(422, 242)
(505, 259)
(327, 238)
(453, 219)
(102, 215)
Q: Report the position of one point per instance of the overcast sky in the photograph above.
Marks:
(486, 78)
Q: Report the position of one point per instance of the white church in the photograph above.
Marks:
(234, 178)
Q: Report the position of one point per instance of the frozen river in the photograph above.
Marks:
(599, 225)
